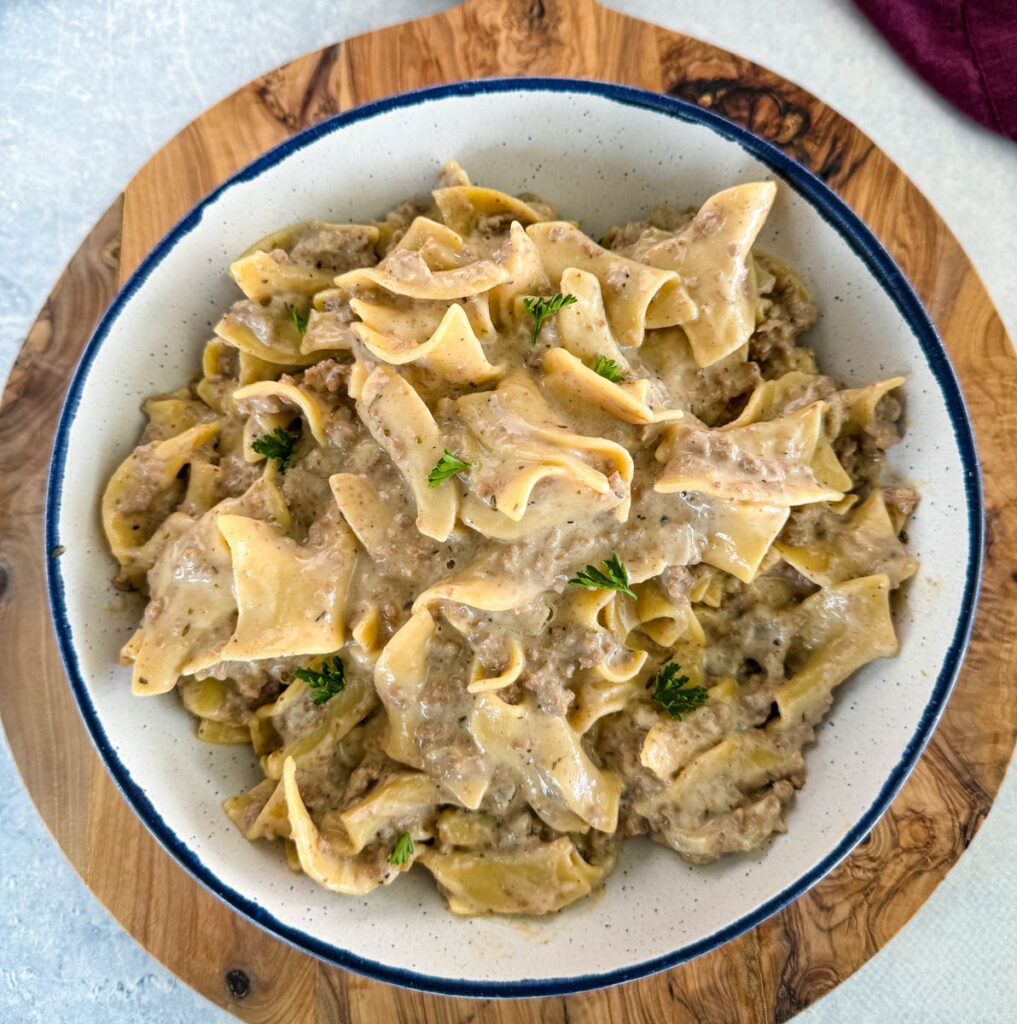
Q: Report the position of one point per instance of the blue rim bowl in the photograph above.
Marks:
(882, 267)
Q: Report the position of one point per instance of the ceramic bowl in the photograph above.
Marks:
(603, 154)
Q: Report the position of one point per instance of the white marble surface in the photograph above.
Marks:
(89, 90)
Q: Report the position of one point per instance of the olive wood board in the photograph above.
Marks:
(765, 975)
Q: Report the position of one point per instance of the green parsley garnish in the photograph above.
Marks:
(403, 850)
(671, 693)
(300, 321)
(613, 577)
(541, 309)
(608, 369)
(278, 445)
(325, 682)
(447, 466)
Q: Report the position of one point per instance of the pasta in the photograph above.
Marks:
(498, 544)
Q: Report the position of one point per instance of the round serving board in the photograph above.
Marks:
(765, 975)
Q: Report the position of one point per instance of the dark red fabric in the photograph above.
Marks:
(966, 49)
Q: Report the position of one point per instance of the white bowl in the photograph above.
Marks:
(603, 154)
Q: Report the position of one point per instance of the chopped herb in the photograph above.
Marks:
(608, 369)
(325, 682)
(613, 577)
(541, 309)
(300, 321)
(278, 445)
(403, 850)
(671, 693)
(447, 466)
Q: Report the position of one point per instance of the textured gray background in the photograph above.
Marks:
(89, 90)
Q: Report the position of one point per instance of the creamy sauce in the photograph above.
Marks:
(500, 715)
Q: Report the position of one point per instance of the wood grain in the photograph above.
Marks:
(790, 960)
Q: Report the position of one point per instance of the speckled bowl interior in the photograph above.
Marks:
(603, 154)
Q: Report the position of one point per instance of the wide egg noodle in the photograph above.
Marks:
(863, 538)
(452, 351)
(153, 469)
(544, 754)
(634, 401)
(290, 597)
(406, 272)
(401, 423)
(631, 291)
(524, 442)
(465, 208)
(193, 603)
(582, 325)
(532, 881)
(778, 461)
(712, 256)
(285, 264)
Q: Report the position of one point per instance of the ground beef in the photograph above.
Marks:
(236, 475)
(789, 313)
(375, 769)
(904, 499)
(494, 224)
(664, 220)
(398, 221)
(521, 830)
(750, 646)
(547, 683)
(327, 248)
(804, 525)
(742, 829)
(818, 389)
(636, 239)
(882, 428)
(148, 492)
(229, 362)
(328, 376)
(676, 582)
(254, 683)
(541, 561)
(726, 381)
(261, 320)
(774, 348)
(860, 457)
(848, 453)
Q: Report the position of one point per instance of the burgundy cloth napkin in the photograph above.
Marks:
(966, 49)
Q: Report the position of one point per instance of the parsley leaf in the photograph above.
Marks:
(300, 321)
(613, 577)
(608, 369)
(403, 850)
(325, 682)
(541, 309)
(447, 466)
(671, 693)
(278, 445)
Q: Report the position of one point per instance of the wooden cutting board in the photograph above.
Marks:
(765, 975)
